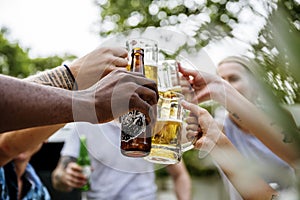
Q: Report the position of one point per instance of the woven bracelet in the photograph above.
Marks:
(73, 79)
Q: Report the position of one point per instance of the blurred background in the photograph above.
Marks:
(37, 35)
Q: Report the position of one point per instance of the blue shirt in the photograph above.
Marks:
(32, 185)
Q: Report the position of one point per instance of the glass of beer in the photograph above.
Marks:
(168, 76)
(170, 79)
(167, 147)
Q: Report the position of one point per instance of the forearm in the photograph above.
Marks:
(25, 105)
(239, 172)
(248, 116)
(181, 179)
(183, 188)
(58, 77)
(15, 142)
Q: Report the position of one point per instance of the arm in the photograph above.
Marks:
(67, 175)
(236, 168)
(261, 125)
(87, 70)
(94, 65)
(15, 142)
(209, 86)
(105, 59)
(25, 105)
(182, 180)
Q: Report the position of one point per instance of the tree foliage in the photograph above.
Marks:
(201, 20)
(207, 21)
(277, 51)
(15, 61)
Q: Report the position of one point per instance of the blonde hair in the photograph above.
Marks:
(250, 65)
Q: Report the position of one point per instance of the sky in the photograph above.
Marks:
(51, 27)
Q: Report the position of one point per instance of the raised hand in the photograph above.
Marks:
(114, 95)
(202, 127)
(205, 85)
(95, 65)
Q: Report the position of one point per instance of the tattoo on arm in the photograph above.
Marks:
(65, 160)
(275, 197)
(236, 116)
(57, 77)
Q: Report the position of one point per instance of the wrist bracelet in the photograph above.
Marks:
(75, 83)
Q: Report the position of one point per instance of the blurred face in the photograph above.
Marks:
(238, 76)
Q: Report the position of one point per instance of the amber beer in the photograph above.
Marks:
(167, 131)
(165, 140)
(135, 134)
(167, 144)
(149, 71)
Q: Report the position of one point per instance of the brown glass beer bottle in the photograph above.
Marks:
(135, 134)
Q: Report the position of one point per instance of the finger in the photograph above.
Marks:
(192, 120)
(77, 183)
(137, 103)
(147, 83)
(74, 167)
(188, 72)
(190, 135)
(120, 62)
(147, 94)
(192, 127)
(120, 52)
(198, 144)
(195, 109)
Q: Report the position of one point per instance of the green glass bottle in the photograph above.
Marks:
(85, 162)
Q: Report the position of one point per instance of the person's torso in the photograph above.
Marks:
(114, 176)
(32, 185)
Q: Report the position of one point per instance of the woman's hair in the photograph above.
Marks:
(251, 66)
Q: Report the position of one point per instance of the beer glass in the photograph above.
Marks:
(167, 147)
(168, 76)
(170, 79)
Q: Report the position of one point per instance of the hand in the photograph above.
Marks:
(92, 67)
(73, 176)
(187, 90)
(206, 86)
(114, 95)
(209, 133)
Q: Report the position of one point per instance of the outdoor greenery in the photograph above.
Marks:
(15, 61)
(207, 21)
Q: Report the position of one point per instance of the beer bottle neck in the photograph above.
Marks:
(83, 158)
(137, 61)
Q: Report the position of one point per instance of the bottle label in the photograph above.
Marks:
(86, 170)
(133, 124)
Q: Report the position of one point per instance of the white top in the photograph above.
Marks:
(269, 166)
(114, 176)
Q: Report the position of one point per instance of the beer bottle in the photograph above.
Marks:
(85, 162)
(135, 134)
